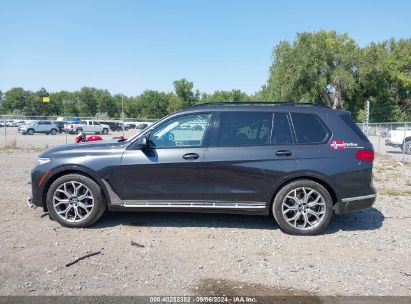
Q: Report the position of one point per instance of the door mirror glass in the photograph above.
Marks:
(142, 142)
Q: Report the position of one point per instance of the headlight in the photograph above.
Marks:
(43, 160)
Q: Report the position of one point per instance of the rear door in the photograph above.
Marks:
(42, 126)
(250, 153)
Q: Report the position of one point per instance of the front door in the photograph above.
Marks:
(170, 171)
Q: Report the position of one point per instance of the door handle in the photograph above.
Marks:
(191, 156)
(283, 153)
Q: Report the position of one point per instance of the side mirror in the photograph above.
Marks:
(142, 142)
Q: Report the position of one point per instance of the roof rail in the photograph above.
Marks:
(278, 103)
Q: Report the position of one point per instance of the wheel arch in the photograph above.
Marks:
(72, 170)
(408, 138)
(316, 178)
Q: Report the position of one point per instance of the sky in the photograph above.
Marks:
(129, 46)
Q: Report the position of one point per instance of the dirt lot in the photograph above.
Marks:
(364, 253)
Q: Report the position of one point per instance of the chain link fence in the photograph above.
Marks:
(389, 138)
(12, 135)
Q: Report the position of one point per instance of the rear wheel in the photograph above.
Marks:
(303, 207)
(105, 131)
(78, 131)
(75, 201)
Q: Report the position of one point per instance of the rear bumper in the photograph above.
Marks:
(351, 204)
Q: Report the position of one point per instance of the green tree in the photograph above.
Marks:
(16, 100)
(385, 81)
(184, 90)
(87, 101)
(318, 66)
(154, 104)
(222, 96)
(106, 103)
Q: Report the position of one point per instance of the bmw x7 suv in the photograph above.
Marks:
(299, 163)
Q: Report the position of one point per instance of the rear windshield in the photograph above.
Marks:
(348, 120)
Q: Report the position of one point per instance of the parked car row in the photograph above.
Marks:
(73, 127)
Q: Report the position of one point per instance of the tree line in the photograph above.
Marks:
(322, 67)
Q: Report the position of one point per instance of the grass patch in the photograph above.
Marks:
(393, 192)
(398, 175)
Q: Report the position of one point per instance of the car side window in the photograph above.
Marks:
(244, 129)
(182, 131)
(96, 123)
(282, 134)
(309, 129)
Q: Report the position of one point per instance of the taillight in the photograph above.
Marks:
(365, 155)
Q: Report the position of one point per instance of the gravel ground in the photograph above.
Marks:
(364, 253)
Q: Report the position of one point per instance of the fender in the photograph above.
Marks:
(300, 174)
(64, 169)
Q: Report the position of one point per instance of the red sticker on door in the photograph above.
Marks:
(337, 145)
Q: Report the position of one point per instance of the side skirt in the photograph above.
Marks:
(239, 207)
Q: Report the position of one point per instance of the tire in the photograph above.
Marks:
(407, 147)
(85, 187)
(30, 131)
(53, 132)
(299, 216)
(78, 131)
(105, 131)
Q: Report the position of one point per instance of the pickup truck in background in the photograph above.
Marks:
(400, 138)
(86, 126)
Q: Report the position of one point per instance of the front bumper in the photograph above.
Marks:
(351, 204)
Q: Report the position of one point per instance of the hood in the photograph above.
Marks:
(87, 146)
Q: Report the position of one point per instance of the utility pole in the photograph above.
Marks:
(367, 117)
(122, 112)
(5, 132)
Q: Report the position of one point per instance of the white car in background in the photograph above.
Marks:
(400, 138)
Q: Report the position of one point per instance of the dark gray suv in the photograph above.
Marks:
(298, 162)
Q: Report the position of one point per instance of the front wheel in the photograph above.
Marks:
(30, 131)
(75, 201)
(105, 131)
(303, 207)
(53, 132)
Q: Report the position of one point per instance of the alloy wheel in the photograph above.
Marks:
(303, 208)
(73, 201)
